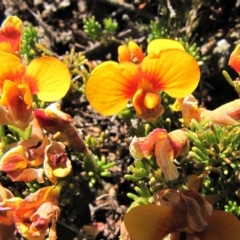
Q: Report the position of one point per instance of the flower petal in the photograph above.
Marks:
(164, 157)
(14, 159)
(111, 85)
(11, 68)
(10, 32)
(148, 222)
(221, 226)
(158, 45)
(49, 78)
(175, 72)
(234, 60)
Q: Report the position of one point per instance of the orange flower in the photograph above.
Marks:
(19, 82)
(167, 67)
(10, 34)
(37, 213)
(8, 203)
(234, 60)
(19, 162)
(165, 146)
(184, 215)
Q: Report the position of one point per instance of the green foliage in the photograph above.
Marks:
(92, 28)
(29, 40)
(157, 30)
(97, 32)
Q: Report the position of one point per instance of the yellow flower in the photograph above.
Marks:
(10, 34)
(37, 213)
(167, 67)
(184, 215)
(165, 146)
(47, 77)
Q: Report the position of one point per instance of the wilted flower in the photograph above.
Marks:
(54, 121)
(182, 214)
(8, 204)
(37, 213)
(167, 68)
(165, 146)
(227, 114)
(19, 162)
(56, 163)
(10, 34)
(19, 83)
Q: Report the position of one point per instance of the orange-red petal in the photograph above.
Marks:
(111, 85)
(48, 77)
(234, 60)
(149, 222)
(175, 72)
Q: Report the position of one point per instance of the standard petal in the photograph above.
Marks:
(175, 72)
(111, 85)
(49, 78)
(158, 45)
(221, 226)
(149, 222)
(11, 68)
(11, 31)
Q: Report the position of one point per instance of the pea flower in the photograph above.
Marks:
(22, 163)
(234, 60)
(167, 67)
(56, 163)
(165, 146)
(37, 214)
(19, 83)
(56, 122)
(227, 114)
(183, 215)
(10, 34)
(8, 204)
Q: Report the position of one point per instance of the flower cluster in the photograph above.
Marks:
(37, 155)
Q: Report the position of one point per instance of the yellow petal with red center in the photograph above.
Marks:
(111, 85)
(151, 100)
(13, 159)
(124, 54)
(11, 31)
(48, 77)
(221, 226)
(136, 51)
(12, 68)
(149, 222)
(176, 72)
(158, 45)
